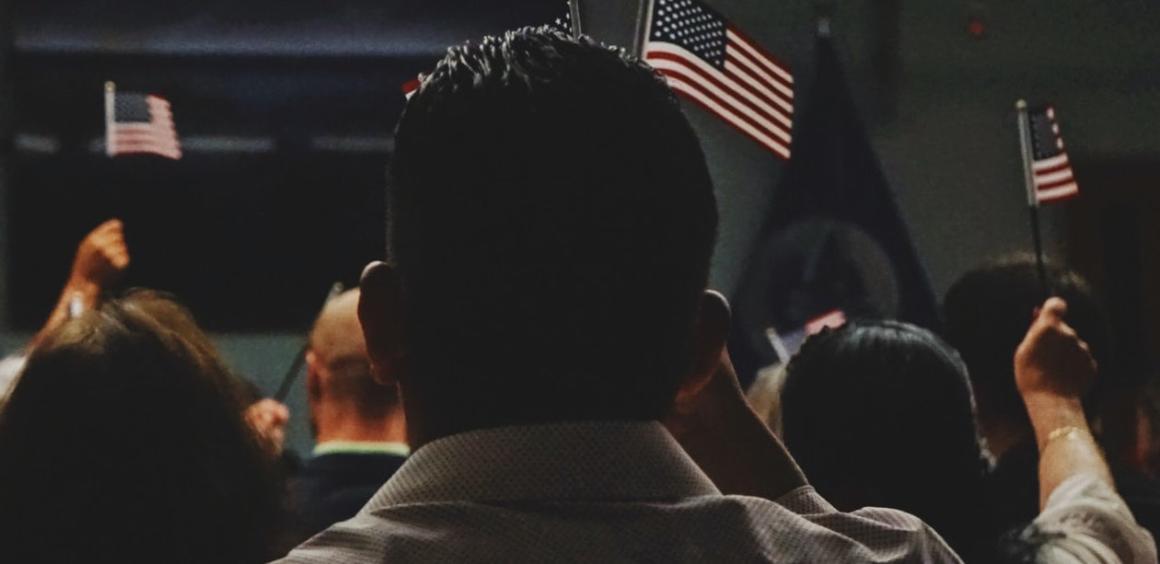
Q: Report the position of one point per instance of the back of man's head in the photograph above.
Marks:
(987, 312)
(551, 220)
(341, 374)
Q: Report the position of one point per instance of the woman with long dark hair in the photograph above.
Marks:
(124, 441)
(880, 413)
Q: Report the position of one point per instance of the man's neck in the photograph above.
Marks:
(391, 429)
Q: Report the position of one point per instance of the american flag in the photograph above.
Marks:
(562, 24)
(708, 60)
(411, 86)
(832, 319)
(139, 124)
(1050, 168)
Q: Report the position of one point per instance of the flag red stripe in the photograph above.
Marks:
(709, 94)
(780, 100)
(739, 94)
(144, 128)
(122, 147)
(743, 127)
(1056, 184)
(1053, 169)
(761, 50)
(1065, 192)
(141, 136)
(166, 154)
(1055, 177)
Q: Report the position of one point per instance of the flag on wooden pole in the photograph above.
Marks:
(1047, 173)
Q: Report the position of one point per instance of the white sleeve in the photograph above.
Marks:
(10, 368)
(1092, 524)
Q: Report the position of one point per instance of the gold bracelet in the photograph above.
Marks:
(1066, 432)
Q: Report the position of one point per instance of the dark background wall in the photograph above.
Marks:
(272, 91)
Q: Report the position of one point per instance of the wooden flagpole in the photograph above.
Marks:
(643, 26)
(1032, 197)
(110, 115)
(574, 13)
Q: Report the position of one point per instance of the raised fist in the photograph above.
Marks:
(1052, 361)
(102, 256)
(268, 418)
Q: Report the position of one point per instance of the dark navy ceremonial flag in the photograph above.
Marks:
(834, 240)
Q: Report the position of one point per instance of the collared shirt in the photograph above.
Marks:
(1091, 524)
(339, 480)
(361, 447)
(598, 492)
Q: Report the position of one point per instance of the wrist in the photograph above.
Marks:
(84, 286)
(82, 290)
(1050, 401)
(1050, 412)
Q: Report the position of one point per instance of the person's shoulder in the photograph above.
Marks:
(1089, 521)
(356, 540)
(805, 520)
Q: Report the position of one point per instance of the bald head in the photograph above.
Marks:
(337, 334)
(340, 374)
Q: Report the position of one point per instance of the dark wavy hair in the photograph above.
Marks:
(987, 312)
(124, 441)
(880, 413)
(551, 218)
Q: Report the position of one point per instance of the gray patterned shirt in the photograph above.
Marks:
(598, 492)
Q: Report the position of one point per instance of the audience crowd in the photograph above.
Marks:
(539, 374)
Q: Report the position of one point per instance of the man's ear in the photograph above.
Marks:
(710, 334)
(313, 378)
(380, 312)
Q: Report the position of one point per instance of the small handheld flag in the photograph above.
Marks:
(709, 61)
(1047, 171)
(139, 124)
(1051, 175)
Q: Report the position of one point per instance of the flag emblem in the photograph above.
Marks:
(708, 60)
(139, 124)
(1050, 168)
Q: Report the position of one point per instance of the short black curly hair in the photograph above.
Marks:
(552, 219)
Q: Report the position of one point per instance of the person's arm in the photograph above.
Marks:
(1053, 369)
(731, 443)
(1083, 516)
(101, 258)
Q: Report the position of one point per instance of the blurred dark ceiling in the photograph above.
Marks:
(285, 110)
(397, 28)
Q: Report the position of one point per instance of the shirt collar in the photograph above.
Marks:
(589, 461)
(361, 447)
